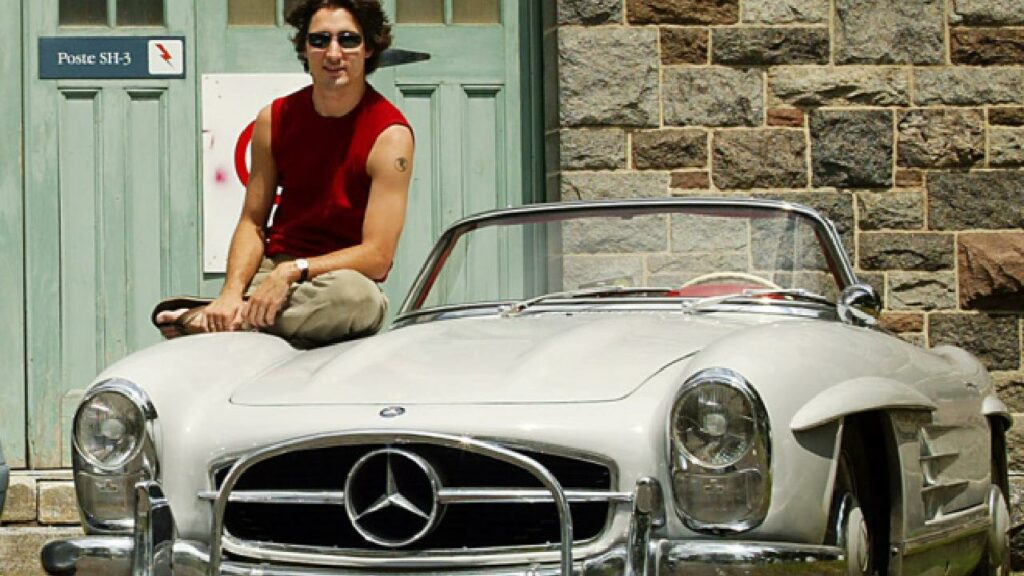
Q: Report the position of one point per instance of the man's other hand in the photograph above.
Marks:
(269, 298)
(223, 314)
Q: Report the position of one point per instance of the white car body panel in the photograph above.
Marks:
(211, 423)
(599, 381)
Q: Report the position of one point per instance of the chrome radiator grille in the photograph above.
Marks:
(315, 497)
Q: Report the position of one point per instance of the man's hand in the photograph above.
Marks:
(261, 310)
(223, 314)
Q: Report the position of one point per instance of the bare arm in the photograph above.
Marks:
(246, 249)
(389, 166)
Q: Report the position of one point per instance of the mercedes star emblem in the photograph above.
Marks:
(391, 497)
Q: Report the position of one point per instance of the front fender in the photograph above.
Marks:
(993, 407)
(858, 395)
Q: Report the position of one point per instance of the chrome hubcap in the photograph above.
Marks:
(857, 545)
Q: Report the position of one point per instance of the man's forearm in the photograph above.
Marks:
(370, 261)
(243, 259)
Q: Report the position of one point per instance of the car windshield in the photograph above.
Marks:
(637, 251)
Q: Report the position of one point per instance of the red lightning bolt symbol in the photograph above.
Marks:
(164, 54)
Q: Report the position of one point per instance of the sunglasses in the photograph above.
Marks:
(347, 40)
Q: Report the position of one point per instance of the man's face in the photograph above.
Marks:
(334, 58)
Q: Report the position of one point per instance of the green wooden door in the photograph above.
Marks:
(109, 190)
(242, 37)
(12, 255)
(465, 106)
(465, 103)
(110, 208)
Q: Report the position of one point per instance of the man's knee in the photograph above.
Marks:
(336, 305)
(347, 288)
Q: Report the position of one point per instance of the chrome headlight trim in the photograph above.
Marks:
(138, 399)
(106, 495)
(755, 459)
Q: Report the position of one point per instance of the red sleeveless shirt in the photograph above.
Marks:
(321, 168)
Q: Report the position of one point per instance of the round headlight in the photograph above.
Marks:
(713, 424)
(109, 429)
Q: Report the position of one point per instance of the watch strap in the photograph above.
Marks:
(303, 265)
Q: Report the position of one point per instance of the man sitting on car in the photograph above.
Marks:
(342, 155)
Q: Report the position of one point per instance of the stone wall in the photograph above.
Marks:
(40, 506)
(902, 120)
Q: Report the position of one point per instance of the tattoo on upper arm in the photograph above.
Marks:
(401, 164)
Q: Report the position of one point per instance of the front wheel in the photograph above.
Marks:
(852, 528)
(995, 560)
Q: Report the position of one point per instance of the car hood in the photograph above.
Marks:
(585, 357)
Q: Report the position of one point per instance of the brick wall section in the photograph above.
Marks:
(903, 120)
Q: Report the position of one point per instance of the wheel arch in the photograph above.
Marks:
(872, 429)
(998, 425)
(994, 409)
(857, 396)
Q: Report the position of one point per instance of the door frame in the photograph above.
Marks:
(13, 387)
(50, 351)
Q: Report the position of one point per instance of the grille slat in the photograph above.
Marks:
(464, 524)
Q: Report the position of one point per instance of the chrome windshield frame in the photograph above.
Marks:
(827, 233)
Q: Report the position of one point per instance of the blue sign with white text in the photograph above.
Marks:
(111, 57)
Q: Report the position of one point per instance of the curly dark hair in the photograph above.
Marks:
(368, 13)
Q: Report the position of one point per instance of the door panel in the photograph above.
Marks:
(111, 209)
(468, 147)
(419, 104)
(12, 256)
(226, 48)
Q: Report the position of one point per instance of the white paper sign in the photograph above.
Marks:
(230, 105)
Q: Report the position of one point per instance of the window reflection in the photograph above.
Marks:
(476, 12)
(140, 13)
(82, 12)
(252, 12)
(420, 12)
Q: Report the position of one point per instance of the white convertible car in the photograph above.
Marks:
(662, 387)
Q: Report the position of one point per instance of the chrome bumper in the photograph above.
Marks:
(109, 556)
(153, 550)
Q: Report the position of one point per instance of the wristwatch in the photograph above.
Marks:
(303, 265)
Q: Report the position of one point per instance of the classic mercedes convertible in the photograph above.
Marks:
(637, 388)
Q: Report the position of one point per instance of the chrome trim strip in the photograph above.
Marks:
(723, 558)
(154, 532)
(445, 496)
(945, 536)
(951, 485)
(87, 555)
(434, 558)
(109, 556)
(393, 437)
(832, 242)
(332, 497)
(496, 496)
(802, 309)
(973, 514)
(648, 512)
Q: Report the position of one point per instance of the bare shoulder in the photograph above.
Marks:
(264, 117)
(392, 150)
(395, 136)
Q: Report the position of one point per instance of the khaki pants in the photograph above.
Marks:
(331, 307)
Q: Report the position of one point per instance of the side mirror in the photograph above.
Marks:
(859, 305)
